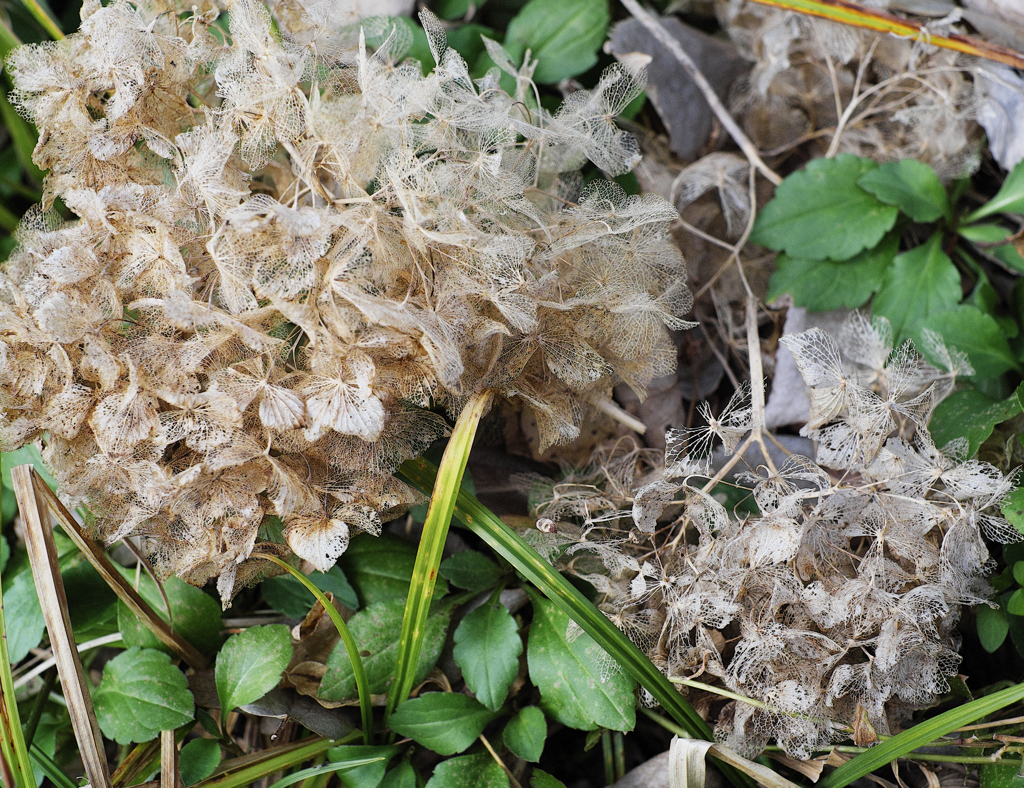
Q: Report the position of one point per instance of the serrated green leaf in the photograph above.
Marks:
(569, 675)
(469, 771)
(820, 212)
(910, 185)
(470, 570)
(374, 629)
(526, 733)
(919, 283)
(380, 568)
(287, 595)
(978, 335)
(564, 36)
(196, 616)
(23, 616)
(250, 664)
(402, 776)
(823, 285)
(487, 648)
(992, 627)
(1009, 198)
(446, 722)
(141, 694)
(968, 413)
(542, 779)
(368, 776)
(198, 759)
(1013, 508)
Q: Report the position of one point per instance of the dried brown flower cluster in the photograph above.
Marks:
(835, 608)
(287, 251)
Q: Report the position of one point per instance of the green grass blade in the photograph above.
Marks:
(508, 544)
(12, 738)
(23, 136)
(359, 671)
(921, 734)
(50, 769)
(323, 768)
(243, 772)
(446, 485)
(41, 15)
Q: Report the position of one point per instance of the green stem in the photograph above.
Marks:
(609, 757)
(510, 546)
(362, 684)
(32, 724)
(428, 556)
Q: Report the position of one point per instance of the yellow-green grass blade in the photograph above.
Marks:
(445, 488)
(362, 684)
(510, 546)
(921, 734)
(245, 771)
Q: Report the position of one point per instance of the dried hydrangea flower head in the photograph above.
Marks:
(835, 607)
(287, 251)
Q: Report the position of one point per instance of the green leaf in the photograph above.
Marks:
(469, 771)
(380, 568)
(992, 627)
(470, 570)
(823, 285)
(978, 335)
(575, 689)
(250, 664)
(26, 455)
(24, 617)
(466, 40)
(1015, 607)
(141, 694)
(487, 648)
(526, 733)
(196, 615)
(368, 776)
(820, 212)
(5, 553)
(1008, 255)
(287, 595)
(446, 722)
(402, 776)
(92, 605)
(968, 413)
(998, 775)
(455, 9)
(198, 759)
(1009, 198)
(988, 233)
(542, 779)
(919, 283)
(1018, 572)
(911, 186)
(564, 36)
(1013, 509)
(374, 629)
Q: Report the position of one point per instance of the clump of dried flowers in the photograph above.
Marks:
(288, 248)
(834, 608)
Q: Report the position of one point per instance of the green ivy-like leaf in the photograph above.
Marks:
(526, 733)
(978, 335)
(968, 413)
(823, 285)
(368, 776)
(446, 722)
(1009, 198)
(287, 595)
(564, 36)
(569, 675)
(820, 212)
(542, 779)
(198, 759)
(487, 648)
(250, 664)
(919, 283)
(141, 694)
(380, 568)
(196, 616)
(1015, 605)
(470, 570)
(992, 627)
(469, 771)
(910, 185)
(374, 629)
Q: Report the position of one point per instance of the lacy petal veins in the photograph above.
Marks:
(288, 248)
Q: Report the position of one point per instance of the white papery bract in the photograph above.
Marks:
(837, 602)
(289, 246)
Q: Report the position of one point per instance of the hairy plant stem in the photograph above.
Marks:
(428, 556)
